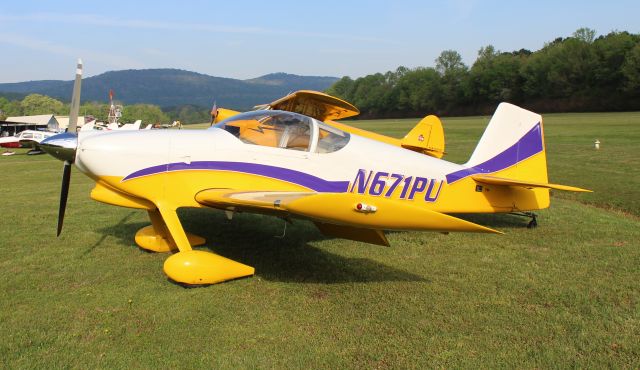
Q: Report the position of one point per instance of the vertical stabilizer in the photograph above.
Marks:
(512, 146)
(510, 163)
(510, 126)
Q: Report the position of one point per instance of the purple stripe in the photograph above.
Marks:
(527, 146)
(285, 174)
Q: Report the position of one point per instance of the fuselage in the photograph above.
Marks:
(173, 166)
(211, 158)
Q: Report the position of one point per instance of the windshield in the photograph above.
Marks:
(286, 130)
(276, 129)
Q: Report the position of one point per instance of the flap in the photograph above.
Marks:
(257, 200)
(315, 104)
(523, 183)
(371, 236)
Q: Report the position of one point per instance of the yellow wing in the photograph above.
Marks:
(315, 104)
(347, 215)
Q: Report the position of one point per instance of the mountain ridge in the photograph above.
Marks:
(169, 87)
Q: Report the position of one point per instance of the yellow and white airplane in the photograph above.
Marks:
(291, 159)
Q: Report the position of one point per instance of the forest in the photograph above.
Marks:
(578, 73)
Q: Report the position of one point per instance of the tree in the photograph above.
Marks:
(3, 106)
(40, 104)
(495, 76)
(454, 78)
(631, 71)
(419, 91)
(13, 108)
(193, 114)
(561, 69)
(99, 111)
(343, 88)
(613, 61)
(450, 61)
(146, 112)
(585, 35)
(369, 93)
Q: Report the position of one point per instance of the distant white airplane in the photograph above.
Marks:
(10, 141)
(113, 119)
(26, 139)
(93, 125)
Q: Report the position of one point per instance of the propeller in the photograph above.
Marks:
(64, 146)
(64, 193)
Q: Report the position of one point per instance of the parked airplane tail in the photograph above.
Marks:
(511, 154)
(426, 137)
(512, 146)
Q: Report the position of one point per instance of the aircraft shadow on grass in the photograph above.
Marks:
(254, 240)
(500, 221)
(118, 230)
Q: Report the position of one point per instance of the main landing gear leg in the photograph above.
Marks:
(156, 237)
(534, 218)
(193, 267)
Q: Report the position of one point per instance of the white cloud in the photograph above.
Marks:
(108, 59)
(100, 20)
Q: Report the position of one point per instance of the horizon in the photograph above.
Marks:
(41, 41)
(84, 76)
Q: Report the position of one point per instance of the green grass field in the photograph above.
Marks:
(566, 294)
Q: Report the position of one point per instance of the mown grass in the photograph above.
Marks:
(562, 295)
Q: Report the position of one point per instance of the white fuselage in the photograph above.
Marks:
(121, 154)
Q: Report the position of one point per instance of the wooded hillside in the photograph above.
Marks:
(577, 73)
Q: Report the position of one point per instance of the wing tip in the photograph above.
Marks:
(489, 230)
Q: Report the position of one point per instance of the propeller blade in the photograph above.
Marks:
(64, 193)
(75, 100)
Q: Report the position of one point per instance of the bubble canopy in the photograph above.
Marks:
(284, 130)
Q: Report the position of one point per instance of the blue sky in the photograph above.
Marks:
(245, 39)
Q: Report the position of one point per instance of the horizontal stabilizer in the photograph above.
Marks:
(482, 179)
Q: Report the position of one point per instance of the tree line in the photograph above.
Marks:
(577, 73)
(35, 104)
